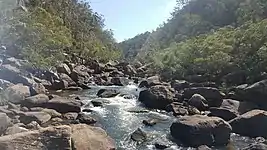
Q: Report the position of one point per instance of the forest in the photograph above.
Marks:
(213, 38)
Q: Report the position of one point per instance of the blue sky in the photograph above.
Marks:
(128, 18)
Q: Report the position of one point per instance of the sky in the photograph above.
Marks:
(127, 18)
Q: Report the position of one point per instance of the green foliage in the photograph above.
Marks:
(43, 30)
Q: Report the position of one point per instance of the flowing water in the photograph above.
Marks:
(122, 115)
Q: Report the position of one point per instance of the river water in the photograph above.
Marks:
(120, 119)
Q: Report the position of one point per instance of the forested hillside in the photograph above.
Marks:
(47, 31)
(207, 37)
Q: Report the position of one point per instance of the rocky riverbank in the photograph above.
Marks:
(33, 116)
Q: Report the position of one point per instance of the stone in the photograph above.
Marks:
(59, 85)
(179, 85)
(63, 105)
(54, 138)
(68, 79)
(150, 122)
(257, 146)
(255, 121)
(161, 145)
(199, 102)
(53, 113)
(107, 93)
(63, 68)
(33, 125)
(70, 116)
(39, 117)
(139, 135)
(17, 93)
(97, 103)
(36, 101)
(86, 137)
(177, 108)
(15, 129)
(37, 88)
(5, 84)
(157, 97)
(116, 81)
(200, 130)
(5, 122)
(79, 74)
(151, 81)
(73, 88)
(213, 96)
(85, 118)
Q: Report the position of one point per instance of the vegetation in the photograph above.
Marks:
(47, 31)
(208, 37)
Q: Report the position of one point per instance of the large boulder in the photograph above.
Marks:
(17, 93)
(68, 79)
(58, 137)
(39, 117)
(158, 96)
(5, 121)
(200, 130)
(230, 109)
(213, 96)
(79, 74)
(63, 105)
(199, 102)
(86, 137)
(36, 101)
(59, 85)
(252, 124)
(63, 68)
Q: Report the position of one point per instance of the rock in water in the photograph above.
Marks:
(199, 102)
(252, 124)
(200, 130)
(158, 97)
(107, 93)
(258, 146)
(139, 135)
(150, 122)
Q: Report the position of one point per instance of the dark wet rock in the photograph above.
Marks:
(235, 78)
(161, 145)
(257, 146)
(59, 85)
(39, 117)
(252, 124)
(116, 81)
(151, 81)
(15, 129)
(200, 130)
(86, 137)
(203, 147)
(53, 113)
(5, 84)
(35, 101)
(213, 96)
(5, 122)
(107, 93)
(97, 103)
(223, 113)
(199, 102)
(84, 118)
(63, 105)
(180, 84)
(156, 97)
(139, 135)
(177, 108)
(87, 110)
(73, 88)
(79, 74)
(55, 138)
(63, 68)
(17, 93)
(70, 116)
(50, 76)
(150, 122)
(66, 78)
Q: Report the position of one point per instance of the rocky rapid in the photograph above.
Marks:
(121, 106)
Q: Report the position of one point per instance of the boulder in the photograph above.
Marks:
(150, 122)
(156, 97)
(85, 118)
(107, 93)
(36, 101)
(59, 85)
(79, 74)
(68, 79)
(255, 121)
(86, 137)
(63, 105)
(151, 81)
(139, 135)
(39, 117)
(177, 108)
(37, 88)
(4, 122)
(179, 85)
(53, 113)
(5, 84)
(161, 145)
(213, 96)
(15, 129)
(63, 68)
(58, 137)
(199, 102)
(17, 93)
(116, 81)
(200, 130)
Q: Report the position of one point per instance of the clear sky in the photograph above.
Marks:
(128, 18)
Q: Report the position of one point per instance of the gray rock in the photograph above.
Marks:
(15, 129)
(199, 102)
(107, 93)
(36, 101)
(139, 135)
(4, 122)
(63, 68)
(17, 93)
(39, 117)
